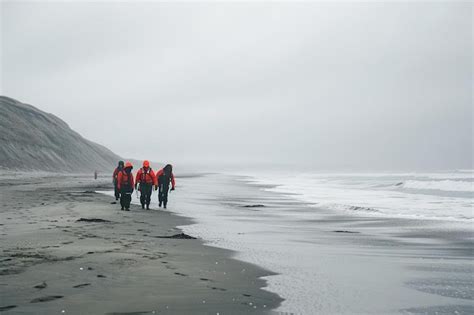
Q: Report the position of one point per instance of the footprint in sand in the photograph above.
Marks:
(347, 232)
(205, 279)
(46, 298)
(6, 308)
(41, 286)
(81, 285)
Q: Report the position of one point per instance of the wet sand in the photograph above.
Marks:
(330, 262)
(52, 262)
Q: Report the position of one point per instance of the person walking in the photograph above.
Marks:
(115, 181)
(165, 176)
(147, 179)
(125, 185)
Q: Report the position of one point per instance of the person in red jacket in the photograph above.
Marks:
(125, 185)
(114, 179)
(165, 176)
(147, 179)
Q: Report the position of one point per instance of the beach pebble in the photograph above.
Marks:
(81, 268)
(63, 311)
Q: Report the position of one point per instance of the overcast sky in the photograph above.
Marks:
(358, 86)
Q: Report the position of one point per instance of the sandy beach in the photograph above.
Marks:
(57, 260)
(67, 248)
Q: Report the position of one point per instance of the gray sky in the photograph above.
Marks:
(327, 85)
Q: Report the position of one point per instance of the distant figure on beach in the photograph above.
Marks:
(165, 176)
(125, 185)
(146, 179)
(118, 169)
(95, 174)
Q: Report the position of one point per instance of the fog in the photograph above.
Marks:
(336, 86)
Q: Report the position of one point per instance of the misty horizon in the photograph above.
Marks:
(320, 86)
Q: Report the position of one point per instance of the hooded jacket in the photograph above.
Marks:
(146, 175)
(162, 172)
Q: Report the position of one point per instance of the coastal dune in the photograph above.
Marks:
(31, 139)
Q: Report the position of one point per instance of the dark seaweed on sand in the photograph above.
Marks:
(93, 220)
(178, 236)
(46, 298)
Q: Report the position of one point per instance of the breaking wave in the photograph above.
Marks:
(446, 185)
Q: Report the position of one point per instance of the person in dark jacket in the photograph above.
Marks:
(125, 185)
(114, 179)
(165, 176)
(147, 179)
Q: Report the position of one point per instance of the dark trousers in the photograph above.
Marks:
(145, 193)
(163, 194)
(125, 198)
(117, 192)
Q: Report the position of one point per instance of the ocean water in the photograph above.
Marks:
(437, 196)
(320, 272)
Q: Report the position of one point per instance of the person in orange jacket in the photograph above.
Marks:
(114, 179)
(147, 179)
(125, 185)
(165, 176)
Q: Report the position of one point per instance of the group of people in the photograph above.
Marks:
(145, 180)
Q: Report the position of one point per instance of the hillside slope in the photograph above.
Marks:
(31, 139)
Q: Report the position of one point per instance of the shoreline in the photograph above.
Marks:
(118, 266)
(262, 251)
(334, 262)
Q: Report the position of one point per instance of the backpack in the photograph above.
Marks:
(126, 180)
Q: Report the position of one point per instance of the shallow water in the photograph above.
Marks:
(320, 271)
